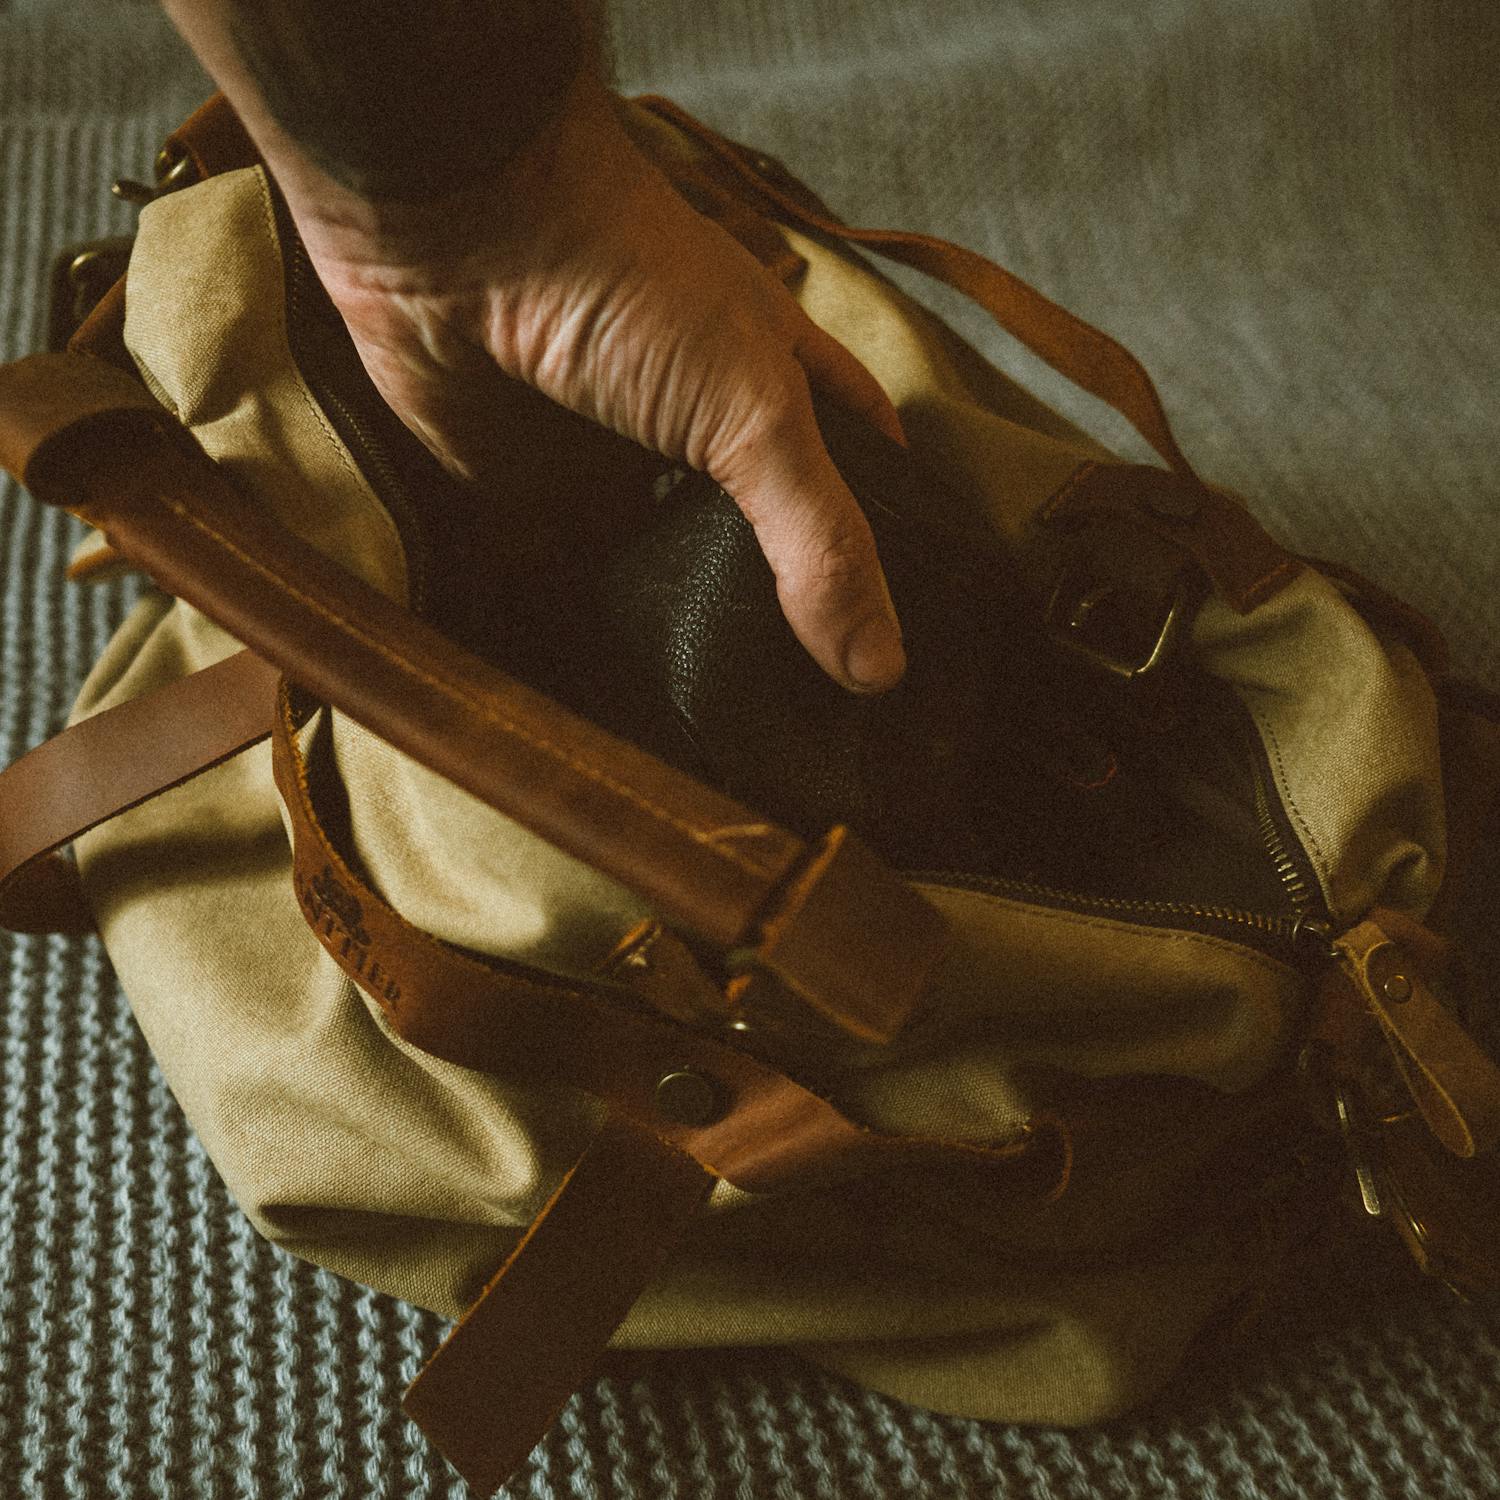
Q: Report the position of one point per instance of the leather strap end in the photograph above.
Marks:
(108, 763)
(1453, 1082)
(213, 139)
(851, 940)
(102, 333)
(496, 1385)
(1234, 552)
(45, 896)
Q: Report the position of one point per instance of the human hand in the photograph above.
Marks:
(583, 274)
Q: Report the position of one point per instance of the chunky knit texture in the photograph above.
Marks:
(1285, 208)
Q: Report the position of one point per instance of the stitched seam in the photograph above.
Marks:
(546, 747)
(1069, 487)
(1255, 593)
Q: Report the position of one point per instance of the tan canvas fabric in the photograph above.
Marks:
(205, 317)
(355, 1150)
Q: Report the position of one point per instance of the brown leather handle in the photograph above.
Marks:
(830, 922)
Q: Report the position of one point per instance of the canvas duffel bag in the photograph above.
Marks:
(530, 932)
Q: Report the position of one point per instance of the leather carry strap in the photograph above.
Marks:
(109, 763)
(830, 922)
(1236, 554)
(1090, 358)
(498, 1381)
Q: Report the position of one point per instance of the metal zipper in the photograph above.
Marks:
(1303, 932)
(1276, 933)
(1296, 877)
(369, 448)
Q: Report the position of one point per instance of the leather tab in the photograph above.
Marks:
(849, 942)
(213, 139)
(659, 967)
(1454, 1084)
(497, 1383)
(102, 333)
(1447, 1212)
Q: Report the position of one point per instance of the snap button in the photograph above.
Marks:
(687, 1098)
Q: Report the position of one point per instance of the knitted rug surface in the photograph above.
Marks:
(1291, 212)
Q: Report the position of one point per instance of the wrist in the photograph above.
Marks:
(504, 203)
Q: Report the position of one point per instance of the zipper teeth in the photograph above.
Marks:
(373, 457)
(1287, 871)
(1263, 922)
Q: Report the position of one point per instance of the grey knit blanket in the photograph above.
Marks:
(1288, 209)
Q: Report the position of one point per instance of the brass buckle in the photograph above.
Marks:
(172, 169)
(80, 276)
(1076, 606)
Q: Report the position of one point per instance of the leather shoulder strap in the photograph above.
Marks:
(109, 763)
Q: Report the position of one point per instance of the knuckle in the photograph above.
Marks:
(841, 559)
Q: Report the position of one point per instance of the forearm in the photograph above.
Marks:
(390, 101)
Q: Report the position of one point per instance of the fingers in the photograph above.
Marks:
(833, 368)
(818, 544)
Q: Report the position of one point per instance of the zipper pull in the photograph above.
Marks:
(1453, 1082)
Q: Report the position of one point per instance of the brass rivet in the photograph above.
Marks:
(687, 1098)
(1397, 988)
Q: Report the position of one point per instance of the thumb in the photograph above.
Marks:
(818, 543)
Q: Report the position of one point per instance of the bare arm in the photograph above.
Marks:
(463, 185)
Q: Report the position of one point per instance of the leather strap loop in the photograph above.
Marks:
(213, 139)
(109, 763)
(1452, 1081)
